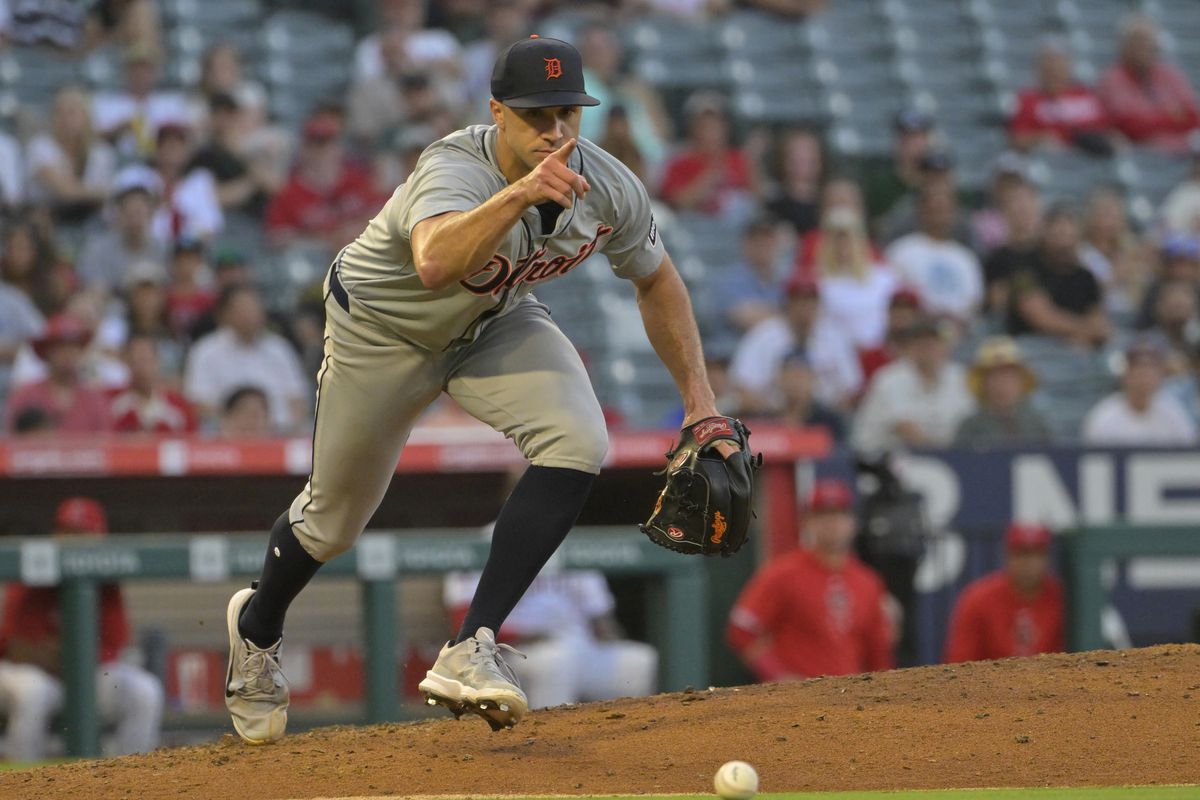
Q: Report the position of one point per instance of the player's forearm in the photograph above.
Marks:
(450, 248)
(671, 328)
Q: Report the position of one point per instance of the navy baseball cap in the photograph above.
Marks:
(537, 72)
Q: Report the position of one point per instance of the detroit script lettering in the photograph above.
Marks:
(500, 275)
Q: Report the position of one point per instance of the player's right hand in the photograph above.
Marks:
(554, 180)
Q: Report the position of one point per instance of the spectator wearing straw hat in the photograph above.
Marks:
(65, 403)
(1001, 382)
(1015, 611)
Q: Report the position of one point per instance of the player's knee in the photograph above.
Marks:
(326, 549)
(586, 444)
(322, 542)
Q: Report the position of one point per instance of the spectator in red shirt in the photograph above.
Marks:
(711, 176)
(65, 403)
(327, 196)
(146, 405)
(1015, 611)
(188, 297)
(1148, 100)
(817, 610)
(904, 309)
(1059, 111)
(31, 692)
(837, 193)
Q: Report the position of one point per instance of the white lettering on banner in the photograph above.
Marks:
(595, 555)
(244, 557)
(437, 556)
(936, 482)
(1097, 493)
(1147, 479)
(376, 553)
(939, 487)
(172, 457)
(942, 563)
(103, 563)
(208, 558)
(1163, 573)
(1039, 494)
(39, 563)
(297, 456)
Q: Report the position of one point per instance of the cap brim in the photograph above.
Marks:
(551, 99)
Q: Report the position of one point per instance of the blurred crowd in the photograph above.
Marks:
(882, 302)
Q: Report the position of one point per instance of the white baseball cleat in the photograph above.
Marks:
(472, 676)
(256, 693)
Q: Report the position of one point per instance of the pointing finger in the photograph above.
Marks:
(564, 152)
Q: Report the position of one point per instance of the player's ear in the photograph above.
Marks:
(497, 109)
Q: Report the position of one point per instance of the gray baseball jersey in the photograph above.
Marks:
(392, 346)
(459, 173)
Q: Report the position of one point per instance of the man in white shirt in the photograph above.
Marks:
(564, 625)
(918, 400)
(1139, 414)
(946, 274)
(242, 352)
(190, 207)
(762, 351)
(131, 118)
(424, 48)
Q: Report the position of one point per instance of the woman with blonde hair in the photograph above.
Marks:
(70, 167)
(1112, 251)
(855, 287)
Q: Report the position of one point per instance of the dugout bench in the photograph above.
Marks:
(378, 560)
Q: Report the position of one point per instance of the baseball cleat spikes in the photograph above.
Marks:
(498, 716)
(473, 676)
(455, 708)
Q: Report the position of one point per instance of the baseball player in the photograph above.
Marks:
(817, 610)
(1016, 611)
(567, 631)
(31, 688)
(435, 296)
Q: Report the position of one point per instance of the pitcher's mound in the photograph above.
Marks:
(1102, 718)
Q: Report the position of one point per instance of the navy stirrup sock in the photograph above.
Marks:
(287, 569)
(539, 513)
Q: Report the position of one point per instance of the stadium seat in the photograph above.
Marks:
(1150, 172)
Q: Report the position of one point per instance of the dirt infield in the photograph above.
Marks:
(1088, 719)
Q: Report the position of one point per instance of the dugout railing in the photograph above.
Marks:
(1087, 550)
(677, 593)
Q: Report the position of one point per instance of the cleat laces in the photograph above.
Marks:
(487, 655)
(259, 668)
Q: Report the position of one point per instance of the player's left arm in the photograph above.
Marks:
(671, 327)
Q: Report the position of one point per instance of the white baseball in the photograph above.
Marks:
(736, 780)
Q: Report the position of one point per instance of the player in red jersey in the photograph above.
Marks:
(1015, 611)
(818, 610)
